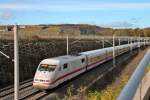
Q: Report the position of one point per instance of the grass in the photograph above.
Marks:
(109, 93)
(148, 68)
(69, 94)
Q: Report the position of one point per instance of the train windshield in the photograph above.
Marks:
(47, 67)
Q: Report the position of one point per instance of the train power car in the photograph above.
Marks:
(54, 71)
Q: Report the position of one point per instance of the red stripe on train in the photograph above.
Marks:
(103, 60)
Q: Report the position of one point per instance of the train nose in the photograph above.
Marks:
(41, 84)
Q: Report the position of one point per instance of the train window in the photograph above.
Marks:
(51, 69)
(65, 66)
(83, 60)
(46, 67)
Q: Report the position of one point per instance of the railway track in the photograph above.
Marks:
(24, 91)
(10, 89)
(27, 92)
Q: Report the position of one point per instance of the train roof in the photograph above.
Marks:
(102, 50)
(67, 58)
(64, 58)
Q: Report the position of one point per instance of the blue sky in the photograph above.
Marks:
(107, 13)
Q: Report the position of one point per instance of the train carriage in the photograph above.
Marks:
(123, 49)
(94, 57)
(109, 53)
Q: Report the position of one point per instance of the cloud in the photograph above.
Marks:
(75, 6)
(6, 15)
(120, 24)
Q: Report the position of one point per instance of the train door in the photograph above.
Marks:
(106, 54)
(65, 71)
(62, 72)
(87, 60)
(84, 63)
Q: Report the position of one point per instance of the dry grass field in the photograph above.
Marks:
(47, 31)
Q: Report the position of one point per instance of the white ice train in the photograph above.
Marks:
(53, 71)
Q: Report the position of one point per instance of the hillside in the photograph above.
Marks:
(71, 29)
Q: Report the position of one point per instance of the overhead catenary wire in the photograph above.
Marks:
(4, 54)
